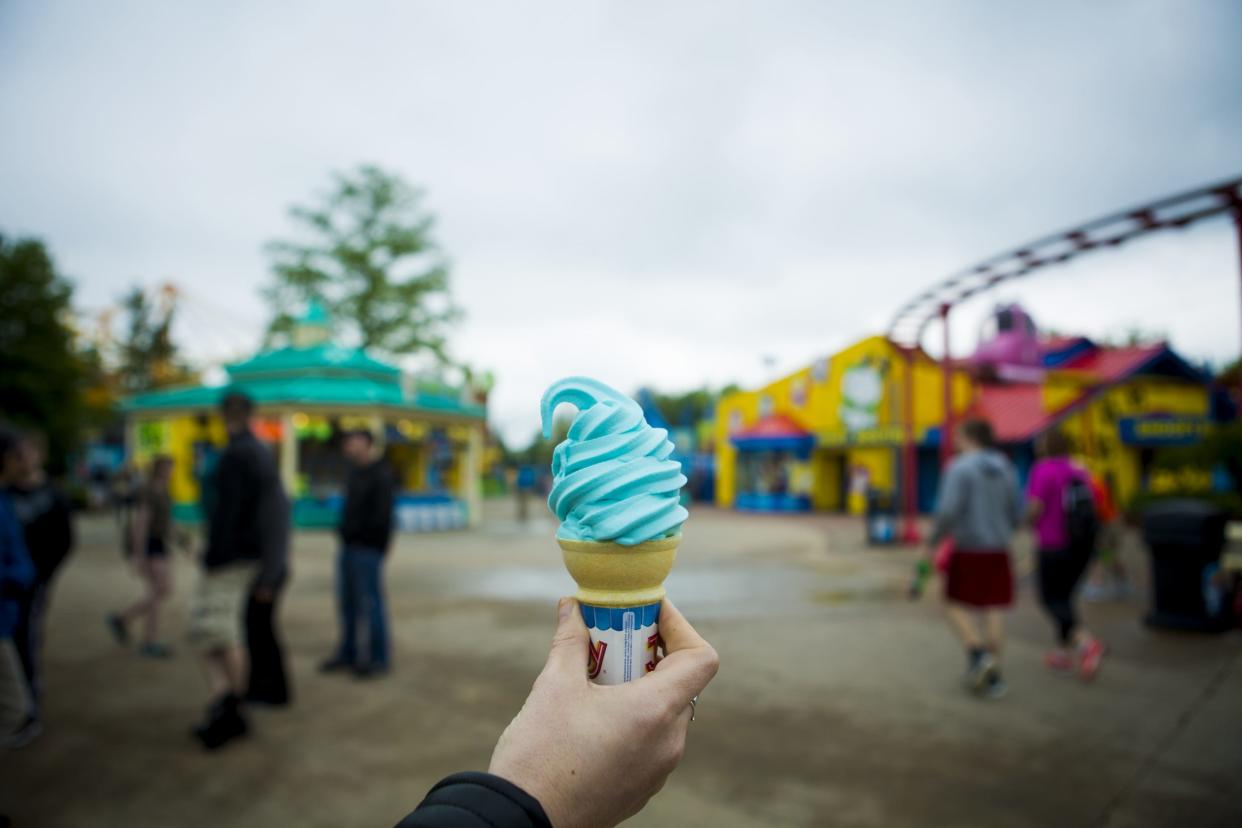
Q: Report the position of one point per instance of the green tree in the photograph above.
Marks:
(371, 261)
(148, 357)
(539, 452)
(1229, 376)
(40, 369)
(690, 407)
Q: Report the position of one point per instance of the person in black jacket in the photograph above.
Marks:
(576, 754)
(268, 683)
(235, 541)
(366, 530)
(47, 525)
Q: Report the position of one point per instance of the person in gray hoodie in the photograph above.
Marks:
(979, 509)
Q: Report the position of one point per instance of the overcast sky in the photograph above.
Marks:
(650, 193)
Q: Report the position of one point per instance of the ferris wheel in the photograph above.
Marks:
(206, 333)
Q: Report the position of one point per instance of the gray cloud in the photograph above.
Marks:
(647, 192)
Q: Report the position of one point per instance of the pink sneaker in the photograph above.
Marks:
(1059, 661)
(1091, 654)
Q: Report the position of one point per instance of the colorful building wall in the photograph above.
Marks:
(175, 436)
(1096, 428)
(852, 403)
(184, 436)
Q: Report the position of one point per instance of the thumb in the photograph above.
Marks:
(570, 643)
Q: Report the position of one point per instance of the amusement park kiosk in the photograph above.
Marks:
(306, 395)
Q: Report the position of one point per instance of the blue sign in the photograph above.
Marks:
(1162, 430)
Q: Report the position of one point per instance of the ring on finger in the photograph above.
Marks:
(693, 703)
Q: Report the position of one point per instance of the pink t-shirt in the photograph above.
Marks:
(1047, 484)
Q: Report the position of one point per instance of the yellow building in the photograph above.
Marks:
(822, 437)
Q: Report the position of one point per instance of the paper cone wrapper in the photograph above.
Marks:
(620, 589)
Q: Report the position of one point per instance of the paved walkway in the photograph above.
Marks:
(837, 703)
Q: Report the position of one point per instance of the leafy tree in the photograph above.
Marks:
(1228, 376)
(148, 357)
(690, 407)
(40, 370)
(539, 452)
(371, 262)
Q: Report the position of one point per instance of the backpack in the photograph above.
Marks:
(1082, 522)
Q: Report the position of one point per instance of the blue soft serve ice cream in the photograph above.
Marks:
(612, 476)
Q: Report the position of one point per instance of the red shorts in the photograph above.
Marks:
(979, 579)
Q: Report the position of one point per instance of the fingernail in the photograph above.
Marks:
(563, 607)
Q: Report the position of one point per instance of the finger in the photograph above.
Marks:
(570, 644)
(676, 631)
(689, 662)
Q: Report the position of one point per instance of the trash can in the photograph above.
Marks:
(1184, 539)
(881, 518)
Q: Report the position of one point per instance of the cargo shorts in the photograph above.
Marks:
(216, 607)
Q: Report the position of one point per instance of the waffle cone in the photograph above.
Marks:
(612, 575)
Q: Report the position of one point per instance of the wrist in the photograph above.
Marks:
(534, 785)
(489, 796)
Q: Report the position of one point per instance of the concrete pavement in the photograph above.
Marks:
(837, 704)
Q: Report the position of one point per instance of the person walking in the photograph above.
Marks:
(17, 575)
(268, 681)
(230, 563)
(47, 529)
(979, 509)
(1062, 510)
(151, 542)
(365, 530)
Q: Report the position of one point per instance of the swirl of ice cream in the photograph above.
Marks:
(612, 476)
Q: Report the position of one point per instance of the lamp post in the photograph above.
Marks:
(909, 456)
(946, 370)
(1237, 223)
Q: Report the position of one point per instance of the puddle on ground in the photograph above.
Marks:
(716, 591)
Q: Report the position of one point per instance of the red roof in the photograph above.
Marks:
(1016, 412)
(1056, 343)
(774, 425)
(1113, 364)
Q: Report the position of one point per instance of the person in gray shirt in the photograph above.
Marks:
(978, 511)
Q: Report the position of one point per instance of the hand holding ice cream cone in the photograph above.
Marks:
(616, 491)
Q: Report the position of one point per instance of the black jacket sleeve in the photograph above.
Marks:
(54, 530)
(380, 512)
(232, 490)
(274, 560)
(477, 800)
(63, 522)
(366, 519)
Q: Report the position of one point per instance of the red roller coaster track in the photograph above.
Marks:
(910, 324)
